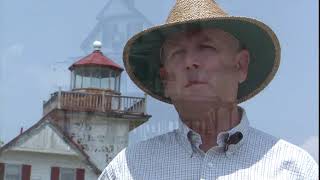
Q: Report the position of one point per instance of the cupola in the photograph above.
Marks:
(96, 73)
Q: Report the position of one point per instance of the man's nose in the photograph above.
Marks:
(194, 66)
(192, 62)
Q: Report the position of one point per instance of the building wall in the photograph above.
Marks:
(101, 137)
(41, 163)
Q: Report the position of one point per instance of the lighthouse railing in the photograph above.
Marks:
(102, 102)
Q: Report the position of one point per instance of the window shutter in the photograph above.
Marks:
(55, 173)
(26, 172)
(2, 171)
(80, 174)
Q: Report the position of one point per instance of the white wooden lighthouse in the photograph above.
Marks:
(81, 130)
(93, 112)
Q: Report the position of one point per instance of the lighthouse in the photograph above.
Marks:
(93, 112)
(82, 128)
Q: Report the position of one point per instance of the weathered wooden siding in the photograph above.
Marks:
(101, 138)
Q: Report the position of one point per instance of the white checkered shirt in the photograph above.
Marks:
(173, 155)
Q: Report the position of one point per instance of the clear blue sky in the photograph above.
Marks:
(37, 34)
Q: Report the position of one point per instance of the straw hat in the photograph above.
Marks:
(142, 52)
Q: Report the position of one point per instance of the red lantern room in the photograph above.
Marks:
(96, 73)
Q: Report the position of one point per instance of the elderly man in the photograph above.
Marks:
(205, 62)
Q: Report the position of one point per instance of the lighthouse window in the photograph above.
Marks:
(116, 83)
(95, 78)
(105, 80)
(95, 82)
(78, 81)
(86, 82)
(86, 79)
(109, 80)
(72, 77)
(112, 80)
(104, 83)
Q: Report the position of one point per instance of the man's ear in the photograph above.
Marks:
(163, 73)
(243, 60)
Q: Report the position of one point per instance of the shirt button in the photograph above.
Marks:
(210, 165)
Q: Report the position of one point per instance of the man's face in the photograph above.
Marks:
(204, 64)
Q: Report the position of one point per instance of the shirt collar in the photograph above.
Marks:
(195, 139)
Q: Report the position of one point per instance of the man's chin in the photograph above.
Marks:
(199, 106)
(195, 106)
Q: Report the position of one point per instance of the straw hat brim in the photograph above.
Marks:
(141, 54)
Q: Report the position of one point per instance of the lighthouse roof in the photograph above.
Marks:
(96, 58)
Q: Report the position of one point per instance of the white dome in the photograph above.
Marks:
(97, 45)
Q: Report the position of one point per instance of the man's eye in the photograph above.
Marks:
(177, 52)
(205, 46)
